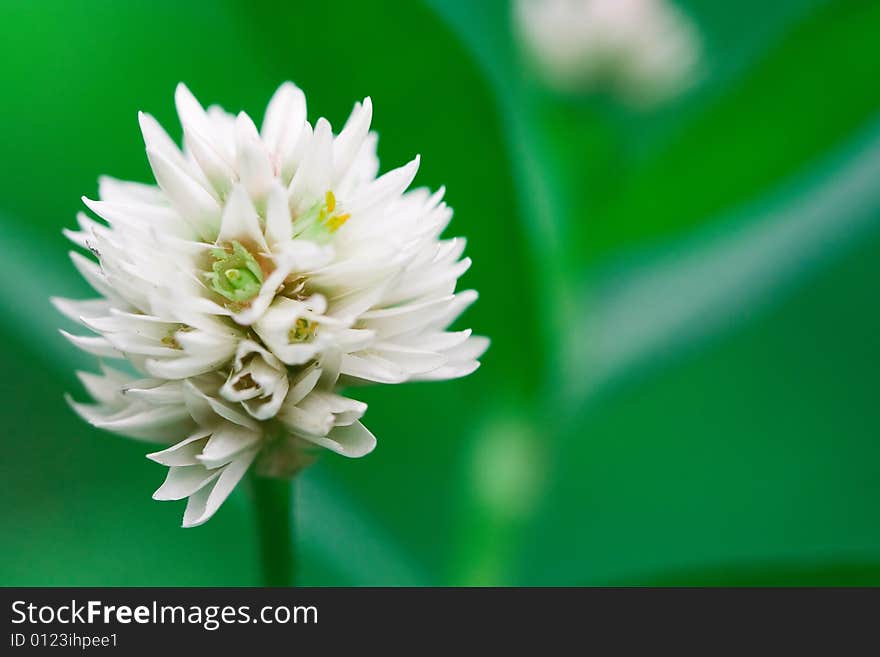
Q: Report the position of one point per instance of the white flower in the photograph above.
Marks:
(265, 271)
(647, 49)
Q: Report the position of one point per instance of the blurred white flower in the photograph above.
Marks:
(267, 270)
(646, 49)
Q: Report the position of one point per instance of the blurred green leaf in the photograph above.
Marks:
(760, 447)
(648, 304)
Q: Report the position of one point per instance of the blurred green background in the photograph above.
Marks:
(682, 300)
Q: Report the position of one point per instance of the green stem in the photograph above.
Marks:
(273, 506)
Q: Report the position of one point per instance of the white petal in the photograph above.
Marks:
(475, 347)
(304, 385)
(438, 341)
(390, 186)
(205, 503)
(184, 480)
(459, 304)
(123, 191)
(413, 361)
(292, 156)
(364, 168)
(253, 163)
(401, 319)
(97, 346)
(462, 361)
(285, 116)
(190, 111)
(106, 387)
(155, 392)
(184, 452)
(359, 273)
(312, 178)
(311, 416)
(199, 208)
(75, 309)
(162, 423)
(88, 228)
(145, 423)
(279, 227)
(91, 271)
(178, 364)
(304, 255)
(223, 410)
(353, 441)
(371, 367)
(157, 140)
(142, 217)
(266, 408)
(449, 372)
(219, 172)
(350, 139)
(225, 444)
(241, 222)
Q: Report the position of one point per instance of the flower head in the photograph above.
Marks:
(647, 50)
(265, 271)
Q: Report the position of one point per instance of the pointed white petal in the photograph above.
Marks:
(191, 113)
(284, 120)
(372, 367)
(350, 139)
(254, 166)
(218, 407)
(158, 141)
(225, 444)
(76, 309)
(123, 191)
(448, 372)
(352, 441)
(303, 386)
(106, 387)
(205, 503)
(97, 346)
(91, 271)
(279, 226)
(219, 172)
(184, 480)
(199, 208)
(241, 222)
(391, 185)
(184, 452)
(313, 176)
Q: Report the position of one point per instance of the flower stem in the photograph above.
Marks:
(273, 507)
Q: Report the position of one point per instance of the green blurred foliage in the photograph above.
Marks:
(750, 458)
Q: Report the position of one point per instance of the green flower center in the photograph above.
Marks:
(235, 274)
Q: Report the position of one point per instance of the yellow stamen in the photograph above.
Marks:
(330, 201)
(303, 330)
(336, 221)
(170, 340)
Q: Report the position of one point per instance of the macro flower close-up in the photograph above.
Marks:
(645, 50)
(247, 293)
(253, 354)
